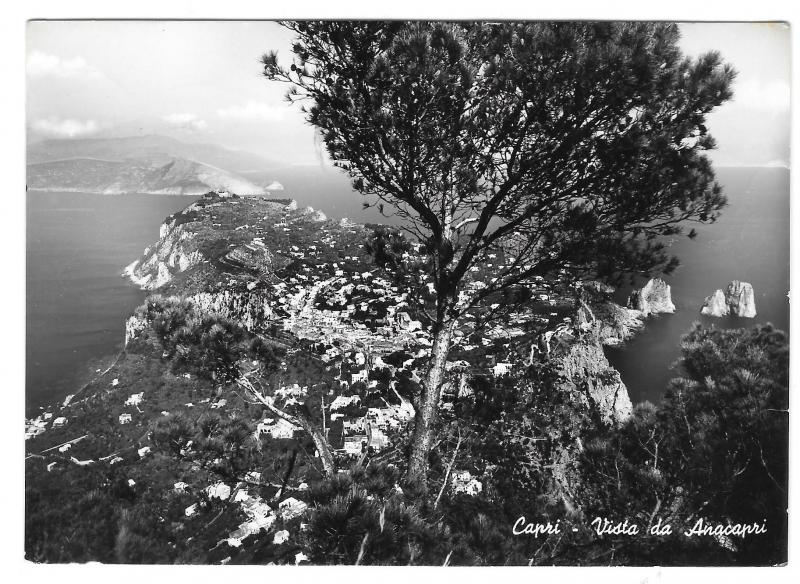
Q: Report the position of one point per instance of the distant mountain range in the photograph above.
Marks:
(144, 164)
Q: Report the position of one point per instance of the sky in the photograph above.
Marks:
(201, 81)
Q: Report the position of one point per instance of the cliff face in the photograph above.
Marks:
(173, 253)
(234, 257)
(612, 324)
(592, 379)
(251, 309)
(737, 300)
(219, 229)
(252, 256)
(653, 298)
(580, 358)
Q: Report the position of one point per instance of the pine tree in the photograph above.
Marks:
(562, 145)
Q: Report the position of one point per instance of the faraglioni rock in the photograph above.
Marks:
(737, 300)
(653, 298)
(715, 305)
(741, 299)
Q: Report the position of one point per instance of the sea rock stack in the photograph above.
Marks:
(715, 305)
(737, 300)
(653, 298)
(741, 299)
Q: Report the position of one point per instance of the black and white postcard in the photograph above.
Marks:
(407, 292)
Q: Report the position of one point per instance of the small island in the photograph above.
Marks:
(737, 300)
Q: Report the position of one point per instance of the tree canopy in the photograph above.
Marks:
(573, 143)
(565, 146)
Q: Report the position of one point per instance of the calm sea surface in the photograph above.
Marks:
(749, 242)
(77, 245)
(77, 303)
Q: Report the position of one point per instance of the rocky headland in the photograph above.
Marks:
(248, 276)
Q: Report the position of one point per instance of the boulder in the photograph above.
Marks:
(715, 305)
(653, 298)
(741, 299)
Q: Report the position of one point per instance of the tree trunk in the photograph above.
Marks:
(316, 435)
(428, 405)
(321, 443)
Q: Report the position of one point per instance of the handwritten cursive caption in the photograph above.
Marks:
(604, 526)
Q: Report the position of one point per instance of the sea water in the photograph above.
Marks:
(76, 300)
(749, 242)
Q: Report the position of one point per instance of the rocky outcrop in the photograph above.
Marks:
(614, 324)
(174, 253)
(133, 326)
(221, 227)
(653, 298)
(577, 351)
(715, 305)
(741, 299)
(251, 309)
(737, 300)
(607, 322)
(253, 256)
(589, 375)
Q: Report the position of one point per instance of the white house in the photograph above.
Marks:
(218, 491)
(135, 399)
(291, 508)
(356, 425)
(343, 401)
(293, 390)
(281, 429)
(501, 369)
(377, 438)
(353, 444)
(463, 482)
(359, 376)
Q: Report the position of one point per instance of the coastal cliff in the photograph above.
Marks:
(249, 308)
(599, 322)
(594, 382)
(205, 232)
(174, 253)
(246, 288)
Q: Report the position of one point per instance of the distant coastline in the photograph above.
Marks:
(114, 193)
